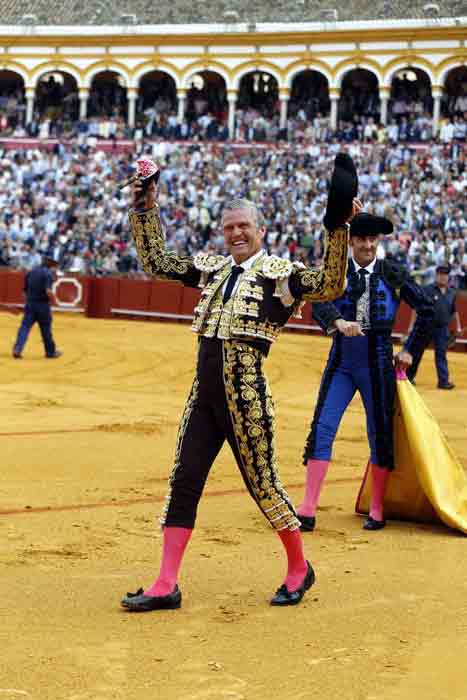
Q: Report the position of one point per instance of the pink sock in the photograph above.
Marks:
(296, 563)
(316, 470)
(379, 478)
(175, 542)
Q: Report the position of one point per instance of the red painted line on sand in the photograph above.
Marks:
(136, 501)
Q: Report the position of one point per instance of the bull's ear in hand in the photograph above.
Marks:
(343, 188)
(147, 171)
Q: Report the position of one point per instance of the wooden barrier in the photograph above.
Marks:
(14, 288)
(166, 297)
(107, 297)
(103, 296)
(72, 291)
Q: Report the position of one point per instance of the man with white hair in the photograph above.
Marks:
(246, 299)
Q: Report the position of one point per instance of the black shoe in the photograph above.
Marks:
(285, 597)
(17, 355)
(57, 353)
(307, 522)
(139, 602)
(412, 381)
(448, 385)
(372, 524)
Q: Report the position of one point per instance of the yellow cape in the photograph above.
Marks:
(428, 483)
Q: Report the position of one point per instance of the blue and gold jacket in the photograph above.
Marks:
(389, 284)
(267, 295)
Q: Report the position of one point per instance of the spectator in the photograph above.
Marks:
(66, 202)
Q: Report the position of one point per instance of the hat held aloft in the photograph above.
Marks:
(343, 189)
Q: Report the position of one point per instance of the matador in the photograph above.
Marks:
(246, 299)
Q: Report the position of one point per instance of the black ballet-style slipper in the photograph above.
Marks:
(372, 524)
(139, 602)
(285, 597)
(307, 522)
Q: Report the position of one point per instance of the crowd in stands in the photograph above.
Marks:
(251, 125)
(65, 203)
(256, 116)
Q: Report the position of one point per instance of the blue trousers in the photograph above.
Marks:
(36, 313)
(440, 337)
(360, 364)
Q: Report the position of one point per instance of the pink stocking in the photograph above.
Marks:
(296, 563)
(175, 542)
(316, 470)
(379, 478)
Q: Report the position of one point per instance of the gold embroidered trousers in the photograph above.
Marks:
(229, 400)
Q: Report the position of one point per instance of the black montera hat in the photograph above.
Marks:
(343, 189)
(365, 224)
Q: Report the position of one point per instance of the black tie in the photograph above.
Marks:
(235, 272)
(362, 282)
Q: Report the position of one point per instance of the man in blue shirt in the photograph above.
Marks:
(38, 291)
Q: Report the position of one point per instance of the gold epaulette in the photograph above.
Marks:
(205, 262)
(276, 268)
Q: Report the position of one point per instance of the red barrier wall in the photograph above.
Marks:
(107, 297)
(133, 294)
(14, 288)
(103, 296)
(71, 296)
(166, 297)
(3, 287)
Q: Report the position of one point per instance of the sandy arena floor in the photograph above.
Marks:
(87, 442)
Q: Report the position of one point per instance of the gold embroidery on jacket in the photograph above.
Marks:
(208, 311)
(255, 329)
(276, 268)
(253, 291)
(205, 262)
(328, 281)
(245, 308)
(150, 245)
(242, 316)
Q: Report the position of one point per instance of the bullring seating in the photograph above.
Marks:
(98, 12)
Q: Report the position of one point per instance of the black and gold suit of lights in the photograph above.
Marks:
(230, 397)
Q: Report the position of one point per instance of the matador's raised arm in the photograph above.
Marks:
(328, 281)
(149, 239)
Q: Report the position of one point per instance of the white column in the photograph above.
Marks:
(334, 97)
(284, 102)
(283, 117)
(30, 93)
(436, 94)
(181, 95)
(384, 110)
(232, 100)
(384, 100)
(83, 103)
(132, 96)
